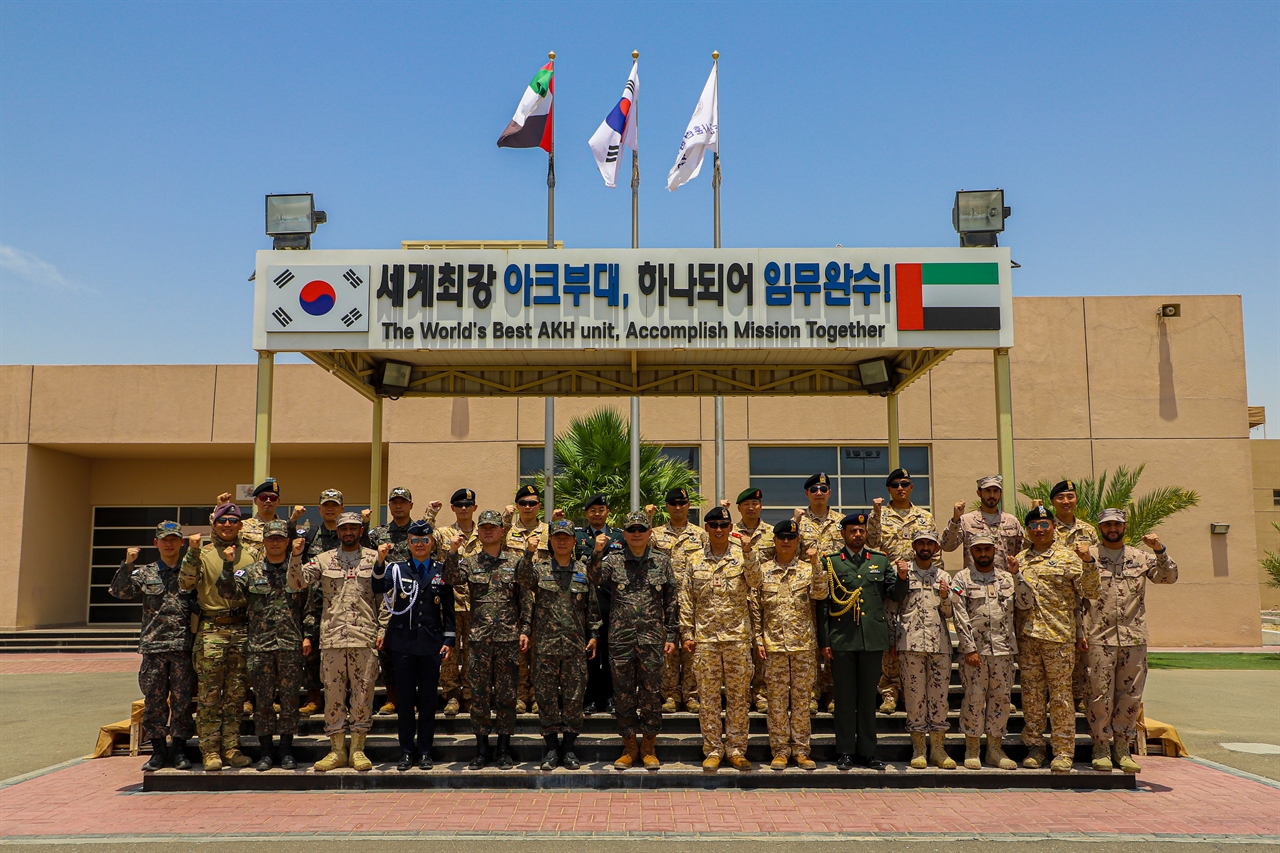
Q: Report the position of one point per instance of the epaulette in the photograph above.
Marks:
(871, 550)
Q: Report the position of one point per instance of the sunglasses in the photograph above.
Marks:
(637, 529)
(419, 540)
(226, 519)
(677, 503)
(528, 504)
(719, 525)
(1040, 525)
(786, 537)
(267, 497)
(467, 505)
(822, 490)
(900, 484)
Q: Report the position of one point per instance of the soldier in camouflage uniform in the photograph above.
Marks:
(563, 621)
(218, 651)
(922, 643)
(716, 583)
(749, 528)
(982, 608)
(679, 681)
(643, 619)
(274, 640)
(166, 677)
(493, 664)
(266, 501)
(350, 628)
(1051, 583)
(820, 529)
(1000, 526)
(521, 520)
(892, 532)
(1115, 632)
(1069, 531)
(782, 618)
(318, 540)
(599, 682)
(453, 672)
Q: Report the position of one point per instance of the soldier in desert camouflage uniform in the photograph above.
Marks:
(1069, 531)
(1000, 526)
(679, 681)
(318, 540)
(820, 529)
(453, 672)
(749, 528)
(521, 520)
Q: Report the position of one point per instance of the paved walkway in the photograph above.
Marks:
(1178, 799)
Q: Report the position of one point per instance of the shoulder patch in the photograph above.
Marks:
(240, 573)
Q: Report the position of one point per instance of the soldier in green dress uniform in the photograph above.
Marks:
(853, 634)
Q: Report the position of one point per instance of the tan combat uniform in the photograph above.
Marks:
(517, 533)
(1050, 585)
(982, 609)
(924, 648)
(715, 614)
(782, 618)
(1116, 627)
(822, 533)
(679, 682)
(453, 672)
(761, 539)
(350, 626)
(1003, 528)
(1068, 535)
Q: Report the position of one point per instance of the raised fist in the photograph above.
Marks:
(1152, 541)
(957, 511)
(943, 587)
(298, 545)
(557, 514)
(193, 541)
(796, 514)
(510, 510)
(229, 553)
(131, 556)
(601, 541)
(725, 503)
(902, 566)
(224, 498)
(650, 509)
(1012, 565)
(364, 516)
(876, 505)
(1082, 551)
(383, 550)
(436, 505)
(298, 511)
(1036, 502)
(812, 554)
(456, 544)
(531, 544)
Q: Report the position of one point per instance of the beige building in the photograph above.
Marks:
(1266, 504)
(93, 455)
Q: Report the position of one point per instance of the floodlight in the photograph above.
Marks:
(1218, 527)
(292, 219)
(395, 378)
(875, 376)
(978, 216)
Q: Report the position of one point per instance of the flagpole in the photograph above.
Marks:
(635, 244)
(715, 194)
(551, 167)
(549, 404)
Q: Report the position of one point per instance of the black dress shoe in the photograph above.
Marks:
(871, 763)
(406, 761)
(608, 706)
(589, 709)
(844, 762)
(425, 763)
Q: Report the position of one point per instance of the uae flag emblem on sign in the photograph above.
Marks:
(948, 297)
(318, 299)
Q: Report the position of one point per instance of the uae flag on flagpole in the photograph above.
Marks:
(531, 125)
(948, 297)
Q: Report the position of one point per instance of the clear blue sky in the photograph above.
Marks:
(1138, 143)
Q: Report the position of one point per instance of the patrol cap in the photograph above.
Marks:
(981, 539)
(819, 479)
(400, 492)
(421, 527)
(332, 496)
(927, 533)
(991, 480)
(786, 528)
(564, 525)
(675, 497)
(168, 528)
(1038, 514)
(275, 528)
(1063, 486)
(750, 495)
(490, 516)
(596, 500)
(717, 514)
(897, 474)
(463, 497)
(1113, 514)
(854, 518)
(350, 518)
(527, 491)
(226, 509)
(639, 518)
(267, 485)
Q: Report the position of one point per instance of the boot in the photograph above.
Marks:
(630, 752)
(233, 757)
(551, 758)
(711, 763)
(1101, 756)
(159, 755)
(359, 761)
(804, 762)
(389, 707)
(312, 704)
(451, 707)
(212, 763)
(264, 761)
(918, 760)
(971, 759)
(1035, 758)
(1120, 756)
(1062, 763)
(762, 704)
(568, 760)
(505, 761)
(669, 705)
(779, 763)
(337, 756)
(693, 706)
(889, 702)
(647, 755)
(520, 706)
(937, 754)
(996, 756)
(179, 754)
(287, 761)
(739, 762)
(482, 753)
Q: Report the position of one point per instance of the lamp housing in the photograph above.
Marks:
(1219, 528)
(291, 219)
(395, 378)
(876, 376)
(978, 216)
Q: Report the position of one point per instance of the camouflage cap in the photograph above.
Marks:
(639, 518)
(981, 539)
(564, 525)
(400, 492)
(331, 496)
(490, 516)
(350, 518)
(925, 533)
(991, 480)
(275, 528)
(1113, 514)
(168, 528)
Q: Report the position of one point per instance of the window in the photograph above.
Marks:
(1275, 497)
(857, 476)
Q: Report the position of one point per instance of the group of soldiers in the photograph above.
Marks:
(503, 612)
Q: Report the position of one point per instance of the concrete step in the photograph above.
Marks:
(70, 640)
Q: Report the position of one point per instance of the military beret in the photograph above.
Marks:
(981, 539)
(897, 474)
(750, 495)
(226, 509)
(717, 514)
(168, 528)
(991, 480)
(1038, 513)
(462, 497)
(786, 528)
(331, 496)
(1113, 514)
(596, 500)
(350, 518)
(854, 518)
(421, 527)
(490, 516)
(564, 525)
(1063, 486)
(639, 518)
(275, 528)
(400, 492)
(267, 485)
(816, 480)
(676, 497)
(925, 533)
(526, 491)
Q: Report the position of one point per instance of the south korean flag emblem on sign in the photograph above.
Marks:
(302, 298)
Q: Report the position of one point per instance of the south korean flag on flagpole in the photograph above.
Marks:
(303, 298)
(618, 130)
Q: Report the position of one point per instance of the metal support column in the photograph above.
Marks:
(549, 456)
(635, 453)
(262, 420)
(375, 466)
(719, 450)
(895, 454)
(1004, 427)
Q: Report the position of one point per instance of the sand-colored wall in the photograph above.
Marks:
(1266, 480)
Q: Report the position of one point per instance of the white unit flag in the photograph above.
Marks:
(702, 135)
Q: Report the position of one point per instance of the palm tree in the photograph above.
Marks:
(1145, 513)
(593, 456)
(1271, 563)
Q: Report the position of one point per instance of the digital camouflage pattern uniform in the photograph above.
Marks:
(982, 609)
(924, 647)
(1049, 586)
(783, 621)
(273, 645)
(761, 539)
(453, 672)
(218, 650)
(679, 680)
(715, 612)
(564, 617)
(643, 616)
(1068, 535)
(1004, 528)
(1115, 624)
(166, 676)
(323, 539)
(517, 533)
(252, 530)
(823, 534)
